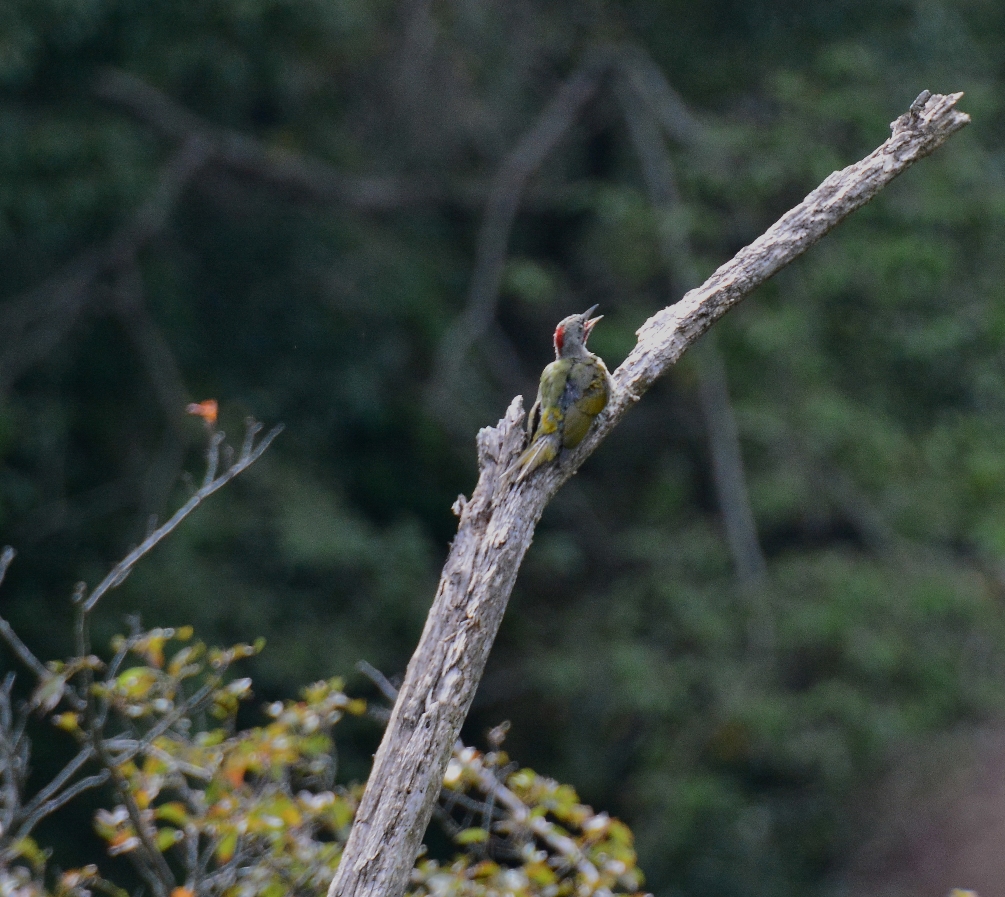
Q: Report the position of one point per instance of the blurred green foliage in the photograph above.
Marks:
(726, 723)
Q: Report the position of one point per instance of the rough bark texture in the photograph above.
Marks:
(497, 523)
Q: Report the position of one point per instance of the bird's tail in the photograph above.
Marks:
(540, 451)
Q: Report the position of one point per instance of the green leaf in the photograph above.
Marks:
(225, 849)
(27, 849)
(173, 812)
(168, 837)
(472, 836)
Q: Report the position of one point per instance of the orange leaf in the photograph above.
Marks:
(234, 773)
(206, 410)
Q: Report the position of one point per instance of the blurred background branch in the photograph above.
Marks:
(446, 392)
(273, 166)
(35, 323)
(642, 91)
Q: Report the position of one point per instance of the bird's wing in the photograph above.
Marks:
(577, 424)
(553, 382)
(586, 392)
(534, 417)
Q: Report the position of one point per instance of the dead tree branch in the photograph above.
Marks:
(73, 685)
(471, 763)
(497, 523)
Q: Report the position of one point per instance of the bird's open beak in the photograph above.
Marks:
(590, 323)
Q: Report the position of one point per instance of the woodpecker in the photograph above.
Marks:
(574, 389)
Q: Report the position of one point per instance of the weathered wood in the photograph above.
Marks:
(497, 523)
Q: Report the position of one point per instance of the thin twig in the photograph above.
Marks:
(50, 806)
(450, 800)
(209, 486)
(522, 815)
(64, 776)
(6, 556)
(22, 651)
(184, 709)
(13, 758)
(378, 679)
(132, 747)
(161, 878)
(149, 863)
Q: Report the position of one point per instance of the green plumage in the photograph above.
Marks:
(574, 389)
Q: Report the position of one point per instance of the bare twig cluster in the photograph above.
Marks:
(84, 687)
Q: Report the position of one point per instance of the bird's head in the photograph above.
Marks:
(572, 333)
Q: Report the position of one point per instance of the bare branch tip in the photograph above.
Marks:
(939, 104)
(252, 429)
(255, 452)
(272, 434)
(378, 679)
(6, 556)
(918, 106)
(930, 110)
(460, 503)
(213, 456)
